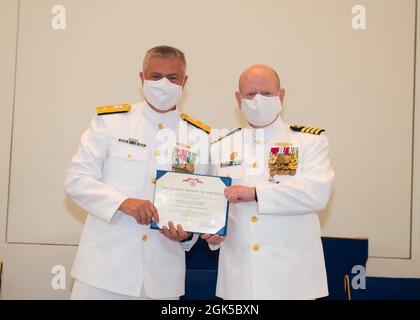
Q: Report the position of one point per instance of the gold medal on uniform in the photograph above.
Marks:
(282, 161)
(233, 162)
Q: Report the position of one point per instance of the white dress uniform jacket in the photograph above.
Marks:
(273, 248)
(117, 159)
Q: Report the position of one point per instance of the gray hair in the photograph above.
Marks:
(165, 52)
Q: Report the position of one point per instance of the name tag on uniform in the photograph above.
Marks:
(282, 161)
(132, 141)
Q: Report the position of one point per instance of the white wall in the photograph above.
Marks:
(357, 84)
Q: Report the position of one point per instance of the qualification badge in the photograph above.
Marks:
(183, 159)
(283, 160)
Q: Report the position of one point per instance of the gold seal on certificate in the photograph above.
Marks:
(196, 202)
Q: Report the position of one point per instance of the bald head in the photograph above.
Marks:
(259, 73)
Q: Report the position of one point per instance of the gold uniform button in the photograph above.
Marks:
(255, 165)
(255, 247)
(157, 153)
(129, 156)
(254, 219)
(154, 180)
(144, 238)
(160, 126)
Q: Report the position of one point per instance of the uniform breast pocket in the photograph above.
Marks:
(126, 167)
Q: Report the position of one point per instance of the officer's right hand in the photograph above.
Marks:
(141, 210)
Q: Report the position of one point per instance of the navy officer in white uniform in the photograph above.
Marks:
(112, 176)
(282, 178)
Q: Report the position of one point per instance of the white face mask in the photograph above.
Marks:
(261, 110)
(162, 94)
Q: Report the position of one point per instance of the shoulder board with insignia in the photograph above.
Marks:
(195, 123)
(120, 108)
(305, 129)
(227, 135)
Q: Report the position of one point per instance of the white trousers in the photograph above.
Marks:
(84, 291)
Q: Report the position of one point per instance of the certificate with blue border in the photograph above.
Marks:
(194, 201)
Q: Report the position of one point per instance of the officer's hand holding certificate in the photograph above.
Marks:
(196, 202)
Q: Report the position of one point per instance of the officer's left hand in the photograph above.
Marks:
(237, 194)
(177, 234)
